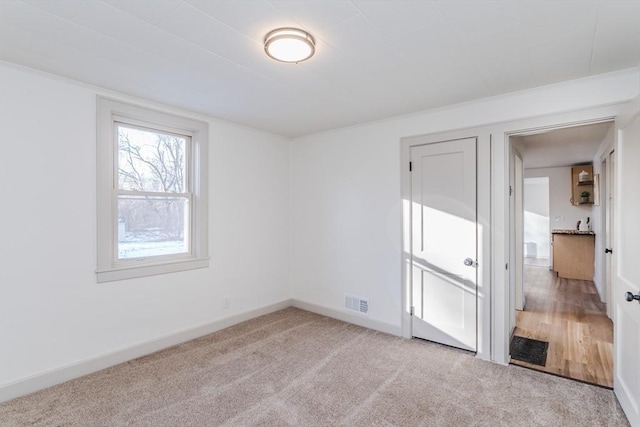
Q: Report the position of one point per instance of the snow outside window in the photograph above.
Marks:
(151, 192)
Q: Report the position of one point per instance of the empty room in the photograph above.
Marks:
(306, 213)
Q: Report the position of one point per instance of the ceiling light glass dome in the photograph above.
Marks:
(289, 45)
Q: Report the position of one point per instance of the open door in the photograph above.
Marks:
(609, 227)
(518, 200)
(626, 284)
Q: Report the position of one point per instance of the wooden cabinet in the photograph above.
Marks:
(578, 186)
(573, 254)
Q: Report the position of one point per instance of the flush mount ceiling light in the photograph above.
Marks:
(289, 45)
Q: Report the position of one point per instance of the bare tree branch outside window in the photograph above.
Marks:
(153, 164)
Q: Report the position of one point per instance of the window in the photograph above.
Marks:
(152, 198)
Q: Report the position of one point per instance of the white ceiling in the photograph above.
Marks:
(375, 59)
(563, 147)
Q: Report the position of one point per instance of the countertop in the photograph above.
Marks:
(558, 231)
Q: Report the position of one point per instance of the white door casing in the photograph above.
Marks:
(626, 314)
(444, 235)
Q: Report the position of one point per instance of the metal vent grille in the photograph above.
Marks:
(353, 303)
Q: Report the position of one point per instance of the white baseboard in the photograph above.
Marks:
(345, 316)
(59, 375)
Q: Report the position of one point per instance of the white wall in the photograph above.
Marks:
(562, 214)
(338, 193)
(536, 217)
(52, 311)
(346, 195)
(346, 234)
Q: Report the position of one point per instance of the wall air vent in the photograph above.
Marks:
(353, 303)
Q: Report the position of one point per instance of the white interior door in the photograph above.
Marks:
(444, 242)
(518, 265)
(610, 173)
(626, 284)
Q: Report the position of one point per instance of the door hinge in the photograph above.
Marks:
(410, 166)
(411, 311)
(506, 266)
(510, 190)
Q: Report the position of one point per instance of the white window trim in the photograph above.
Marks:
(109, 268)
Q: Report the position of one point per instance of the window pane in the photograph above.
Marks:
(152, 226)
(150, 161)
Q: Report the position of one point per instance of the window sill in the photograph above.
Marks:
(135, 271)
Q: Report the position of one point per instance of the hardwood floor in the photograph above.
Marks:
(570, 316)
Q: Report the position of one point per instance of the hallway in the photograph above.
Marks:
(569, 315)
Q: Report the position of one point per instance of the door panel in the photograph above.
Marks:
(443, 198)
(627, 275)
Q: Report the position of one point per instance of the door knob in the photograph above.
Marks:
(608, 251)
(630, 297)
(469, 262)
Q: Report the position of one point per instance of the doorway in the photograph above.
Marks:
(560, 323)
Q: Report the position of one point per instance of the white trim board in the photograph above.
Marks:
(355, 319)
(59, 375)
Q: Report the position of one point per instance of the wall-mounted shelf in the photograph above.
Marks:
(578, 186)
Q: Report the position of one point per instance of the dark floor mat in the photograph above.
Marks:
(528, 350)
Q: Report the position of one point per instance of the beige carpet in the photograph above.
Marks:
(297, 368)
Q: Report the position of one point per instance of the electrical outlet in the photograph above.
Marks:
(225, 302)
(559, 218)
